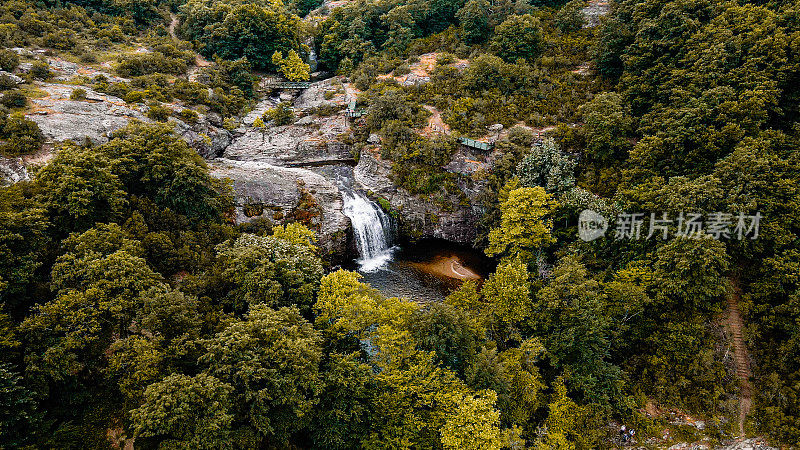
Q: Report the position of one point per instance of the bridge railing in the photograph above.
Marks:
(287, 84)
(485, 146)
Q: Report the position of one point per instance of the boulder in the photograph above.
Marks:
(286, 193)
(208, 140)
(314, 96)
(12, 170)
(259, 110)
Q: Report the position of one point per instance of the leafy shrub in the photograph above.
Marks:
(41, 70)
(113, 33)
(570, 17)
(61, 39)
(188, 116)
(13, 99)
(18, 135)
(283, 114)
(88, 58)
(77, 94)
(326, 110)
(158, 112)
(401, 70)
(518, 37)
(230, 123)
(148, 63)
(8, 60)
(7, 83)
(134, 97)
(445, 59)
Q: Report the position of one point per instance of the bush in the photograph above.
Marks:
(283, 114)
(445, 59)
(134, 97)
(88, 58)
(77, 94)
(401, 70)
(8, 60)
(158, 112)
(6, 83)
(229, 123)
(113, 33)
(518, 37)
(61, 40)
(570, 17)
(188, 116)
(149, 63)
(18, 135)
(13, 99)
(41, 70)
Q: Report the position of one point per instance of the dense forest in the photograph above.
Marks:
(135, 310)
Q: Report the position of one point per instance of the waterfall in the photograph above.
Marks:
(372, 228)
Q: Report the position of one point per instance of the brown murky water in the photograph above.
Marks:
(428, 271)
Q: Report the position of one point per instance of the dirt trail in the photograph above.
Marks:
(199, 61)
(172, 24)
(435, 122)
(733, 319)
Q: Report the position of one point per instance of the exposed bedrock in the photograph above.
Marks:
(418, 218)
(263, 190)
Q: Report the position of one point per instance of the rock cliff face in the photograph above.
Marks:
(418, 218)
(276, 193)
(310, 141)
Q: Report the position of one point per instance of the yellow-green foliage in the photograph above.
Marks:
(292, 67)
(525, 224)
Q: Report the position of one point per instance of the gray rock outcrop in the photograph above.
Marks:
(418, 218)
(276, 193)
(293, 145)
(95, 118)
(62, 119)
(12, 170)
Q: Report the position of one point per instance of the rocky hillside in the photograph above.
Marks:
(276, 170)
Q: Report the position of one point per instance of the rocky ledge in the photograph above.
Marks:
(99, 115)
(418, 218)
(263, 190)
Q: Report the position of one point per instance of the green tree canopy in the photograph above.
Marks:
(272, 359)
(518, 37)
(525, 225)
(185, 412)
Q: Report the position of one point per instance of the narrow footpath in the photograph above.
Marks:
(733, 319)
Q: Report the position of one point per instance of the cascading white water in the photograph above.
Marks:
(372, 229)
